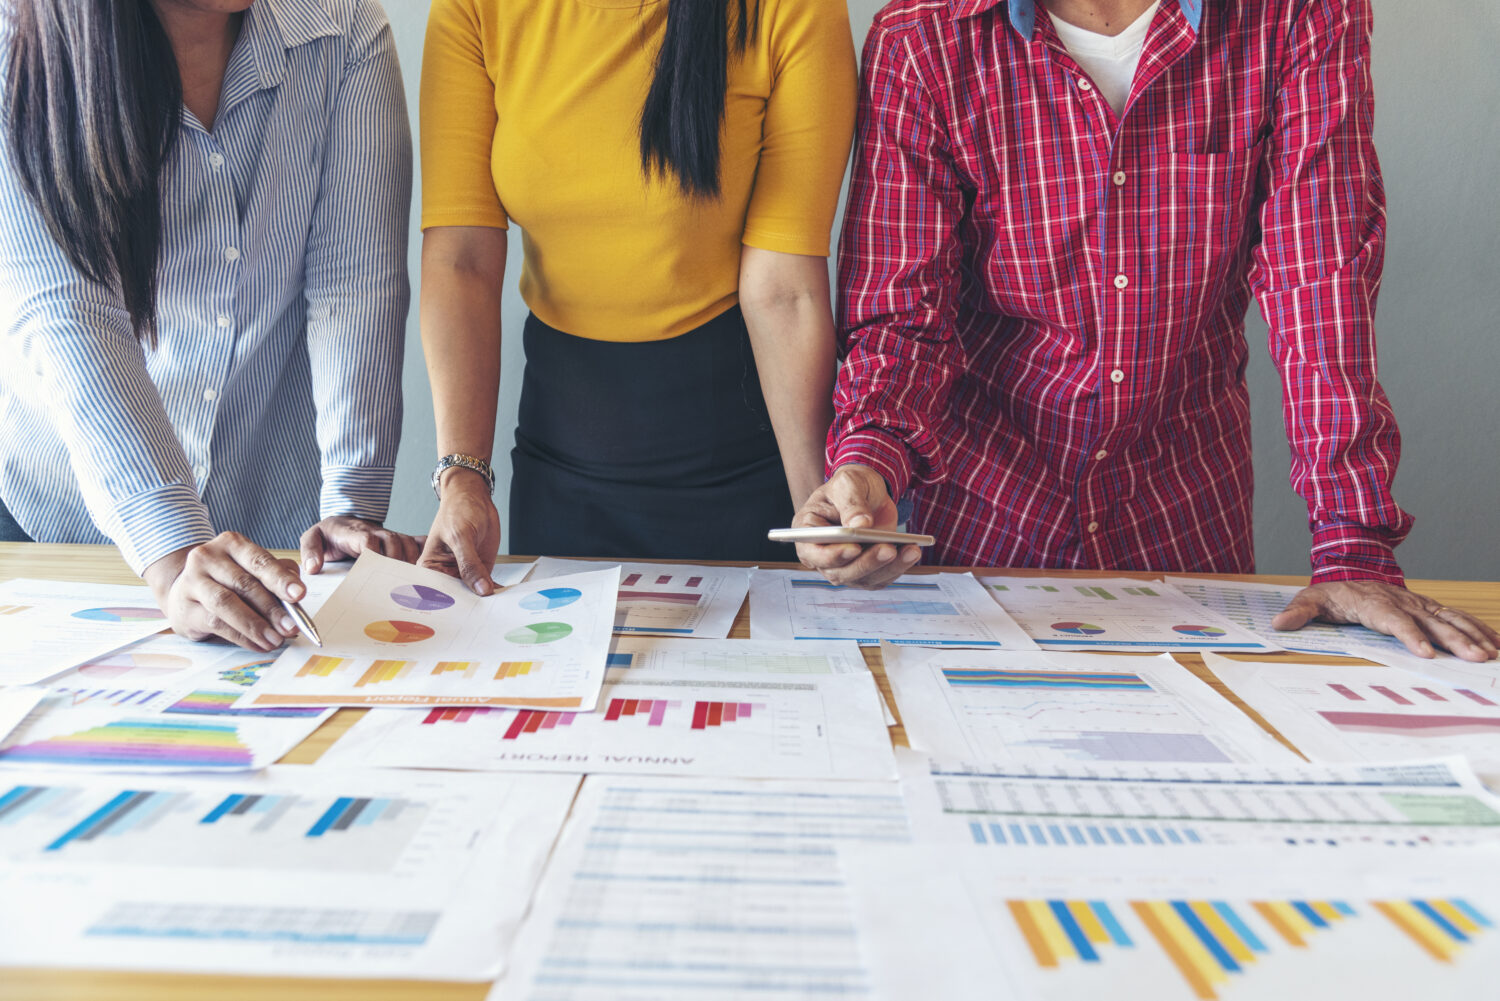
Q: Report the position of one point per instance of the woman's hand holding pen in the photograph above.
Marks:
(228, 588)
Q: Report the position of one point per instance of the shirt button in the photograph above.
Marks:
(1093, 527)
(1085, 84)
(210, 395)
(1102, 454)
(200, 471)
(216, 160)
(225, 321)
(1120, 280)
(233, 254)
(1119, 178)
(1117, 376)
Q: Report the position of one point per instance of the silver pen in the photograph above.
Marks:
(304, 621)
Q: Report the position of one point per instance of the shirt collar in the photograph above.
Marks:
(273, 27)
(1023, 12)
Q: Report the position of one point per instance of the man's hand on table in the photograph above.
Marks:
(855, 496)
(1418, 621)
(228, 588)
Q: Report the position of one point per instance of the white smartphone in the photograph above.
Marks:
(833, 534)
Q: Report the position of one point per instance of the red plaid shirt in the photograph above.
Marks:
(1043, 304)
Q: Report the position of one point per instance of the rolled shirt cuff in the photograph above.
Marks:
(1342, 552)
(881, 452)
(151, 524)
(356, 491)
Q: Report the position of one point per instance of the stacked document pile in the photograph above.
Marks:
(1075, 804)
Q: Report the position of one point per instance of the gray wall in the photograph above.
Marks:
(1437, 79)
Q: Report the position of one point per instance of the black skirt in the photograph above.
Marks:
(661, 449)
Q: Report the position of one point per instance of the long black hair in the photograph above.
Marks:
(685, 106)
(92, 111)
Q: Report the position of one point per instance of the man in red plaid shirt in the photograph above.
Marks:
(1059, 214)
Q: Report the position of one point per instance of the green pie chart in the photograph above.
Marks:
(538, 633)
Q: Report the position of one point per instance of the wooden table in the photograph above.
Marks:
(102, 564)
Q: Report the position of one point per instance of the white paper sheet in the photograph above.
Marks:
(945, 609)
(395, 634)
(770, 656)
(50, 626)
(1253, 606)
(157, 671)
(654, 722)
(1239, 925)
(15, 705)
(106, 738)
(1446, 668)
(695, 889)
(1107, 613)
(666, 599)
(1040, 708)
(1082, 806)
(1354, 713)
(358, 875)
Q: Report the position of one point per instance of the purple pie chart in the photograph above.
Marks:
(421, 598)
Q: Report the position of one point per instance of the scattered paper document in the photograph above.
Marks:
(51, 626)
(1251, 925)
(1354, 713)
(396, 634)
(15, 705)
(1037, 708)
(154, 672)
(943, 609)
(293, 872)
(654, 722)
(1252, 606)
(666, 599)
(1083, 806)
(113, 739)
(1079, 613)
(692, 889)
(1482, 677)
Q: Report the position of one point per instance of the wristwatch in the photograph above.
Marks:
(475, 463)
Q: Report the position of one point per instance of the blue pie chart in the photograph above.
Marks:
(552, 597)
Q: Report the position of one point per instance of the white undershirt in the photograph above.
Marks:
(1109, 60)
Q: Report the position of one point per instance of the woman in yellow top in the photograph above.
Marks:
(674, 167)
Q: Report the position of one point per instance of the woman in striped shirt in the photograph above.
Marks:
(203, 290)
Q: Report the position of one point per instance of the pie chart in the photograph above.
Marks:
(421, 598)
(552, 597)
(146, 663)
(396, 631)
(1210, 632)
(538, 633)
(1078, 628)
(120, 615)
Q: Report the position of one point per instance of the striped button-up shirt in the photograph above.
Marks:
(1043, 302)
(273, 395)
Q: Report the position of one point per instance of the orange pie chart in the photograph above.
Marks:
(397, 631)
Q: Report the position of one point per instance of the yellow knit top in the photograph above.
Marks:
(530, 112)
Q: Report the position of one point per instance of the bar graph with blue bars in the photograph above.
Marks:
(1081, 834)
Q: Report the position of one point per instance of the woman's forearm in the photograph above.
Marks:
(785, 301)
(463, 275)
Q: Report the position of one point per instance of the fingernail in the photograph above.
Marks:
(288, 626)
(310, 564)
(273, 637)
(296, 591)
(884, 555)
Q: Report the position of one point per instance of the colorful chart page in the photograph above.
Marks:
(656, 722)
(399, 635)
(944, 609)
(1081, 807)
(1252, 606)
(1070, 613)
(1337, 713)
(696, 890)
(50, 626)
(1160, 926)
(1039, 708)
(666, 599)
(292, 872)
